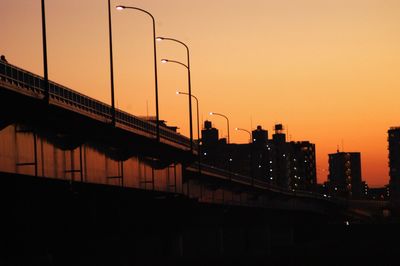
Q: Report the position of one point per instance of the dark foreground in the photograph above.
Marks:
(53, 222)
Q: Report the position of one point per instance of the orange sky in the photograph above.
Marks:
(328, 70)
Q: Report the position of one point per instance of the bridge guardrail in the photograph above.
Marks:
(246, 180)
(34, 84)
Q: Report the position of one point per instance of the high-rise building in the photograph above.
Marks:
(303, 166)
(282, 157)
(259, 136)
(394, 162)
(345, 174)
(209, 135)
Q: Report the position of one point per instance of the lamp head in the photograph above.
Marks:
(120, 7)
(159, 39)
(178, 93)
(211, 113)
(164, 61)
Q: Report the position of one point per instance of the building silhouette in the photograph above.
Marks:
(394, 162)
(290, 165)
(304, 170)
(344, 177)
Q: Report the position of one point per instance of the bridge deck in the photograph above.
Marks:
(29, 84)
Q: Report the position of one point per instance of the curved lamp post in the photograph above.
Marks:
(44, 44)
(227, 121)
(155, 62)
(197, 107)
(190, 98)
(251, 154)
(242, 129)
(189, 83)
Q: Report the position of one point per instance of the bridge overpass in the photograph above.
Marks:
(70, 145)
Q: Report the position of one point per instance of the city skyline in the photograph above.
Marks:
(327, 71)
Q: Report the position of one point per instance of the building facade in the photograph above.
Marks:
(344, 177)
(394, 162)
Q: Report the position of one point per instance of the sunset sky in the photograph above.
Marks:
(329, 71)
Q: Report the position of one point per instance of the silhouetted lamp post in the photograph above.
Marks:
(197, 107)
(155, 62)
(111, 65)
(189, 84)
(242, 129)
(227, 121)
(251, 153)
(44, 43)
(190, 98)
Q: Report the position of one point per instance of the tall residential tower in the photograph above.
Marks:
(394, 162)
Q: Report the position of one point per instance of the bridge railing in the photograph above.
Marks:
(257, 183)
(32, 84)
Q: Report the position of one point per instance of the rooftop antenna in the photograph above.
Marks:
(337, 148)
(342, 145)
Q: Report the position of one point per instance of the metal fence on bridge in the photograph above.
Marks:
(32, 85)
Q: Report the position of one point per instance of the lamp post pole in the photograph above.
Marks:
(111, 65)
(155, 63)
(227, 121)
(44, 43)
(251, 153)
(189, 86)
(197, 111)
(190, 98)
(242, 129)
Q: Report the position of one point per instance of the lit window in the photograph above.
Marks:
(205, 153)
(270, 170)
(230, 159)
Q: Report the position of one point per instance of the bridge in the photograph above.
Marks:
(68, 152)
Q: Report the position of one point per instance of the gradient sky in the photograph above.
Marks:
(328, 70)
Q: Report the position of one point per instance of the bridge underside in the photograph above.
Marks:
(68, 130)
(55, 222)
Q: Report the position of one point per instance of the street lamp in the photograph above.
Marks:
(190, 98)
(189, 87)
(227, 120)
(44, 44)
(111, 65)
(251, 153)
(242, 129)
(197, 107)
(155, 62)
